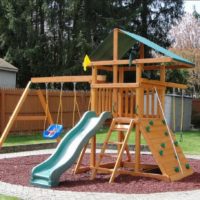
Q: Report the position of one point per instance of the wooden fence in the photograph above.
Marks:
(32, 106)
(196, 112)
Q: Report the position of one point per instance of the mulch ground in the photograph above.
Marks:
(18, 170)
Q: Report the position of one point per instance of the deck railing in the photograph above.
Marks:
(120, 99)
(151, 108)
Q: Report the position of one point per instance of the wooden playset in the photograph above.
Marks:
(138, 105)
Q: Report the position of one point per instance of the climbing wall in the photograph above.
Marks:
(158, 139)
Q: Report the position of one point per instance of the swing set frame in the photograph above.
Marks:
(47, 115)
(126, 103)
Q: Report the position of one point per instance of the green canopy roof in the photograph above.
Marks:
(125, 41)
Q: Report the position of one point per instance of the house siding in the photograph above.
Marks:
(7, 79)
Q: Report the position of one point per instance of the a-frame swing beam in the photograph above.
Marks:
(14, 114)
(55, 79)
(67, 79)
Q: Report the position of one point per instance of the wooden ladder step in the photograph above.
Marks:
(120, 127)
(107, 155)
(125, 120)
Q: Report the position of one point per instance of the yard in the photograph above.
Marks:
(190, 143)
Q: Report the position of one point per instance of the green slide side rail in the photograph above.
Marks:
(47, 174)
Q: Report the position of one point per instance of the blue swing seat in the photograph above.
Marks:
(53, 131)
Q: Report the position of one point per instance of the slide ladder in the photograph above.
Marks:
(122, 125)
(165, 149)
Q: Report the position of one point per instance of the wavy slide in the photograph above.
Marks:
(47, 173)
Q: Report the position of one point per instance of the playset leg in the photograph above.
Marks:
(78, 164)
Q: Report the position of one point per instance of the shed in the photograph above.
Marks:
(7, 74)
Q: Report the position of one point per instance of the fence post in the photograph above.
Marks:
(2, 110)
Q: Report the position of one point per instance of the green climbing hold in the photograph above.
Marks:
(187, 166)
(161, 152)
(166, 133)
(176, 169)
(163, 121)
(176, 143)
(148, 129)
(163, 145)
(151, 122)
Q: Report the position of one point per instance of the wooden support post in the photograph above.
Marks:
(116, 106)
(94, 90)
(93, 152)
(115, 70)
(2, 110)
(78, 164)
(14, 114)
(141, 51)
(162, 93)
(120, 96)
(139, 109)
(139, 112)
(120, 107)
(93, 108)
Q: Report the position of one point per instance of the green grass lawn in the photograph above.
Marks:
(190, 143)
(3, 197)
(14, 140)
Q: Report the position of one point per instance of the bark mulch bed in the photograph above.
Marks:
(18, 170)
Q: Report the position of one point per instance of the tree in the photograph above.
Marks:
(185, 37)
(186, 33)
(51, 37)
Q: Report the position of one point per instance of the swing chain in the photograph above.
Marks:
(60, 106)
(46, 105)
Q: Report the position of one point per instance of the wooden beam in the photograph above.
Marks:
(115, 85)
(120, 93)
(146, 67)
(141, 50)
(136, 61)
(162, 92)
(163, 84)
(185, 64)
(93, 108)
(78, 164)
(115, 71)
(66, 79)
(157, 67)
(106, 68)
(139, 112)
(14, 114)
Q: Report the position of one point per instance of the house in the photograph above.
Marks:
(7, 74)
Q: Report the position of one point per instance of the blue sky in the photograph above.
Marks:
(189, 5)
